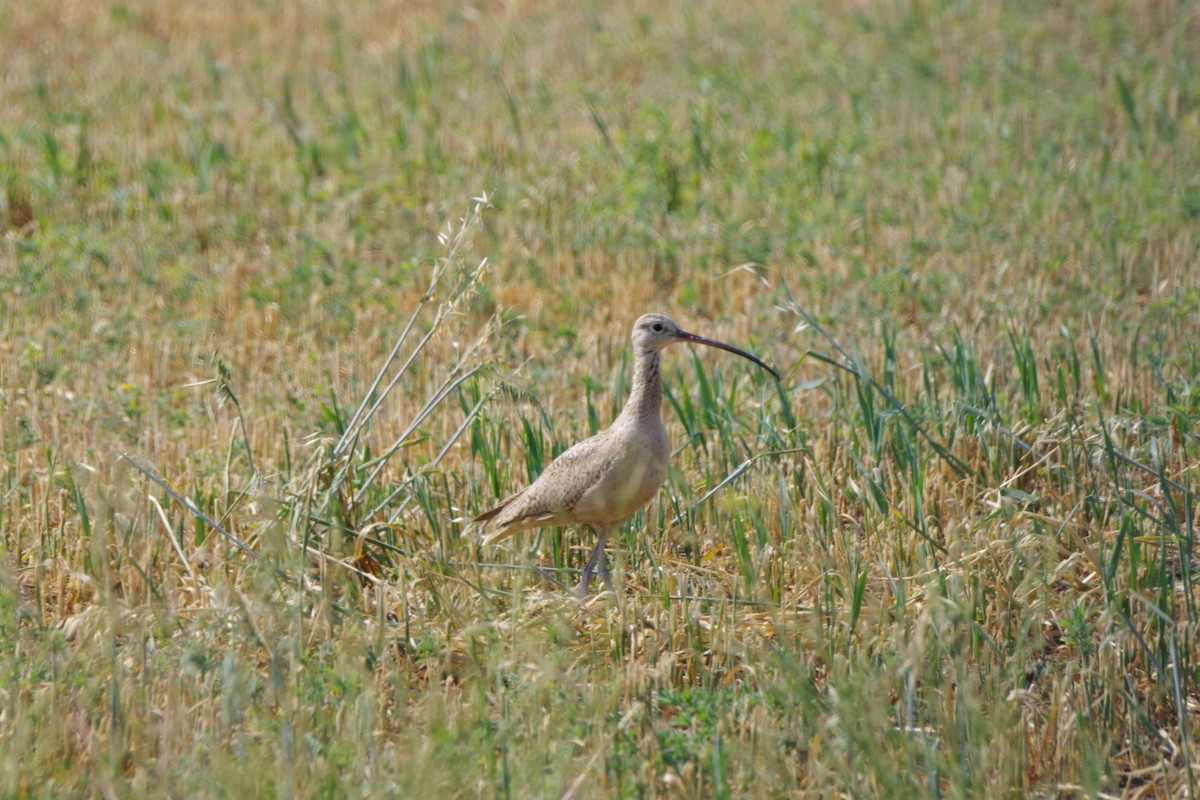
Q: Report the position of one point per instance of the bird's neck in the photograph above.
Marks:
(645, 400)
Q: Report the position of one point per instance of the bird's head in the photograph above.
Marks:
(655, 331)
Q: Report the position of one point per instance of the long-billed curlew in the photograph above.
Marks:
(604, 480)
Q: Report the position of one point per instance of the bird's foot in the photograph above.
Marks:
(602, 571)
(585, 578)
(594, 561)
(606, 576)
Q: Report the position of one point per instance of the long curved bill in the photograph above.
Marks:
(684, 336)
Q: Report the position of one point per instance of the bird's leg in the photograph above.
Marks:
(597, 558)
(605, 573)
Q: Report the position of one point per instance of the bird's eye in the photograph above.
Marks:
(657, 327)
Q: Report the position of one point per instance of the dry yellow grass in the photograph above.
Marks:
(966, 569)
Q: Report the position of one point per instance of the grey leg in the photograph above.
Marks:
(605, 574)
(597, 558)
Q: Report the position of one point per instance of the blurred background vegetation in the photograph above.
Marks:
(951, 556)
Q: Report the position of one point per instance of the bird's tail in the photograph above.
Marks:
(495, 530)
(491, 537)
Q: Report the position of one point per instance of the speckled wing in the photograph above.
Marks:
(549, 500)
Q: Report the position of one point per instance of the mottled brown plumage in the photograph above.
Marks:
(604, 480)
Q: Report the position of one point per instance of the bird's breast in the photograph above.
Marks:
(635, 472)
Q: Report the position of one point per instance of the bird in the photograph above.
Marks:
(603, 481)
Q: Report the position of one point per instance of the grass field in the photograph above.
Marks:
(951, 555)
